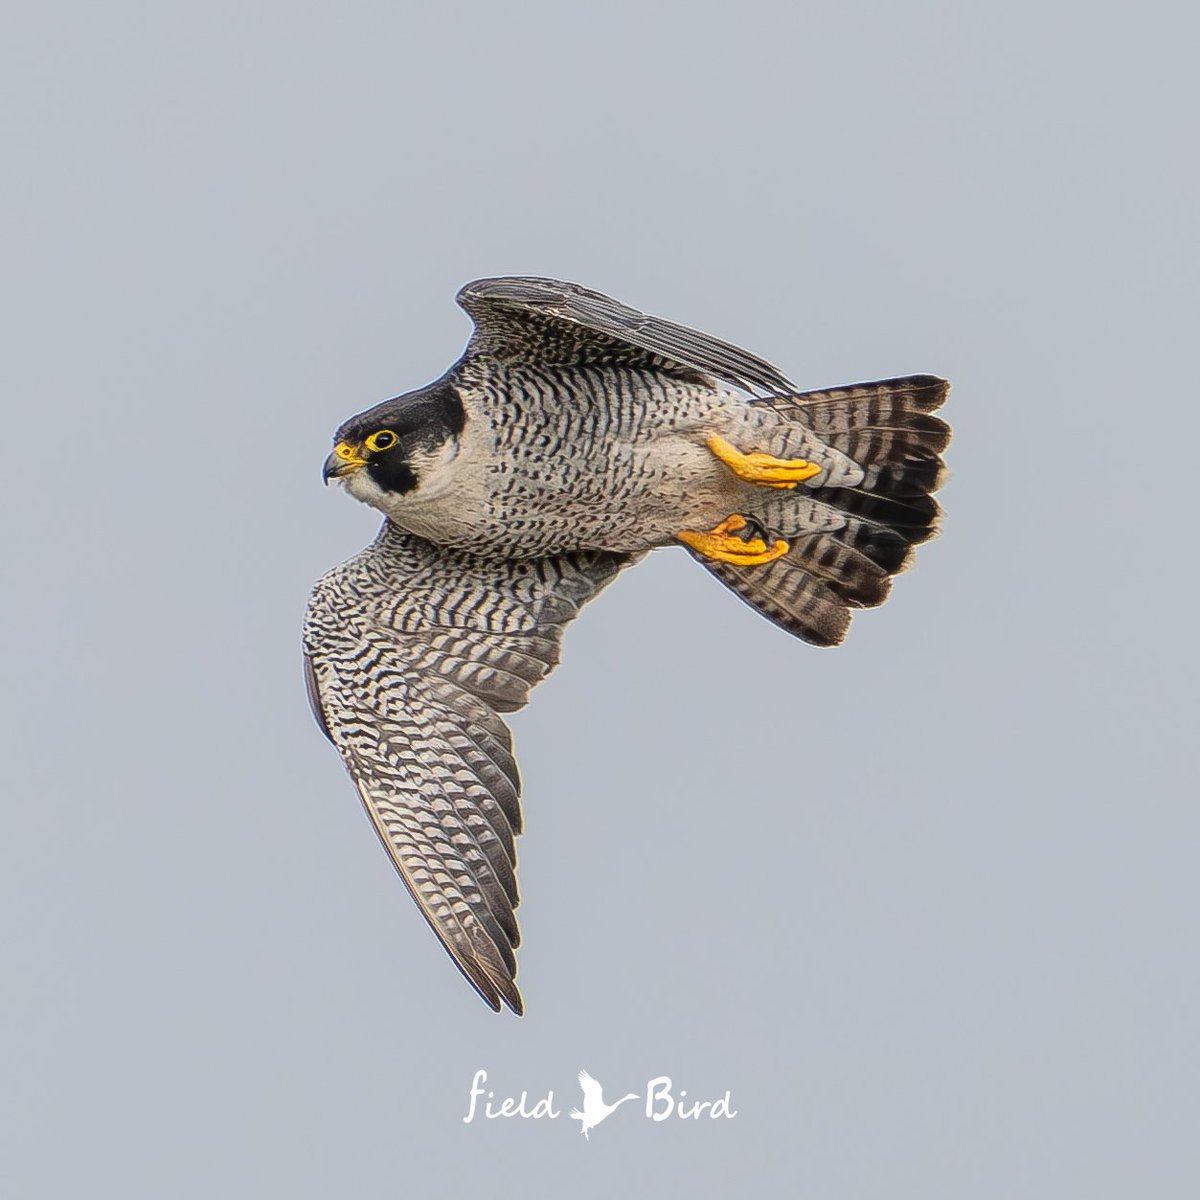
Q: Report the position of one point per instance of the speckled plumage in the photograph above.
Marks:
(569, 440)
(412, 651)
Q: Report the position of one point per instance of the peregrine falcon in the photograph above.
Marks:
(574, 435)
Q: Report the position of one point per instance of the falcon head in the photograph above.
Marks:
(399, 447)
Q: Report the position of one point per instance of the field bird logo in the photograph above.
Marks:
(594, 1108)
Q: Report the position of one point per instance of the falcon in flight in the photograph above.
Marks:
(574, 435)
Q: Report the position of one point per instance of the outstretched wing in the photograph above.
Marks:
(593, 1093)
(558, 323)
(411, 652)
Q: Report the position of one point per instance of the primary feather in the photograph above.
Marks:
(571, 437)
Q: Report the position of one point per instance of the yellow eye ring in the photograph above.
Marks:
(381, 439)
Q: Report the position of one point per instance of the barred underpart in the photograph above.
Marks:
(413, 652)
(574, 435)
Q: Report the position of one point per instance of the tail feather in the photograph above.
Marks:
(885, 427)
(790, 597)
(883, 545)
(846, 543)
(914, 518)
(853, 577)
(884, 403)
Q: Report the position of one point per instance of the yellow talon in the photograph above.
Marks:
(762, 468)
(720, 544)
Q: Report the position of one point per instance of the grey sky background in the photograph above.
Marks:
(926, 904)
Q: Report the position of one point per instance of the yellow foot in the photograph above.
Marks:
(719, 543)
(762, 468)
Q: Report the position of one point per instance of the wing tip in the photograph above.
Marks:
(501, 992)
(496, 987)
(519, 288)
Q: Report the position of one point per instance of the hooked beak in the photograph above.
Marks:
(344, 459)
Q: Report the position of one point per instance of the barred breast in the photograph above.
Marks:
(557, 459)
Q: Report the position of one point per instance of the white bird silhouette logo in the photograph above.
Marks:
(594, 1108)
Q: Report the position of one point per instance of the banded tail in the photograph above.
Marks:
(846, 543)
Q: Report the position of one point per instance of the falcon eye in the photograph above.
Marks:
(383, 439)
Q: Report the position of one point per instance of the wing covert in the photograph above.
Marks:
(411, 652)
(562, 323)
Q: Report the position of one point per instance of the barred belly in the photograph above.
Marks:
(564, 459)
